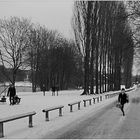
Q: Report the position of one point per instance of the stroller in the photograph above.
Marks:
(16, 100)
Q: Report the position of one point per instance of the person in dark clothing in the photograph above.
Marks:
(11, 93)
(53, 91)
(122, 99)
(57, 89)
(44, 89)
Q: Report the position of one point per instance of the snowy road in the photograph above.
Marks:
(106, 123)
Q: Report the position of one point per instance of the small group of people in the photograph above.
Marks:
(13, 98)
(122, 100)
(55, 88)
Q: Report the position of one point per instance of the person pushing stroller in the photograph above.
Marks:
(13, 98)
(11, 93)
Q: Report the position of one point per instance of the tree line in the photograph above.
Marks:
(100, 58)
(104, 38)
(51, 58)
(133, 16)
(54, 60)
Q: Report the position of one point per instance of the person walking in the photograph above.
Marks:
(57, 89)
(44, 89)
(53, 90)
(122, 99)
(11, 93)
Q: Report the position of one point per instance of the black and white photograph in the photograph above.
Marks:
(69, 69)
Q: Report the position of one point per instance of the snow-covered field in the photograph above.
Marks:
(37, 102)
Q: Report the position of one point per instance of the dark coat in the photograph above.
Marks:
(123, 98)
(11, 91)
(43, 88)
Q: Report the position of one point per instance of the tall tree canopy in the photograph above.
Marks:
(14, 40)
(104, 38)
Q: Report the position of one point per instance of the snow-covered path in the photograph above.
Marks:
(92, 125)
(107, 122)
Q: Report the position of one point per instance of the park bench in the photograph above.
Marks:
(94, 100)
(107, 96)
(50, 109)
(97, 99)
(15, 117)
(101, 98)
(86, 101)
(71, 104)
(112, 95)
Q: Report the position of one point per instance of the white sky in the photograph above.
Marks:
(54, 14)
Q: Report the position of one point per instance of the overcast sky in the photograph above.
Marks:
(54, 14)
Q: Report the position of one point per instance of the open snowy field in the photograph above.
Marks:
(37, 102)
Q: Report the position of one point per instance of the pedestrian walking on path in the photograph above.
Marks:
(11, 93)
(122, 99)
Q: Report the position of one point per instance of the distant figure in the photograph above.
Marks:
(44, 89)
(122, 99)
(11, 93)
(57, 89)
(53, 91)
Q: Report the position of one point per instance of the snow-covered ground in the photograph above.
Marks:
(37, 102)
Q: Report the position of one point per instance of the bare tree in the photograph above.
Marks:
(14, 40)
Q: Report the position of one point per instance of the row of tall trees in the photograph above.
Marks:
(103, 49)
(133, 8)
(104, 38)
